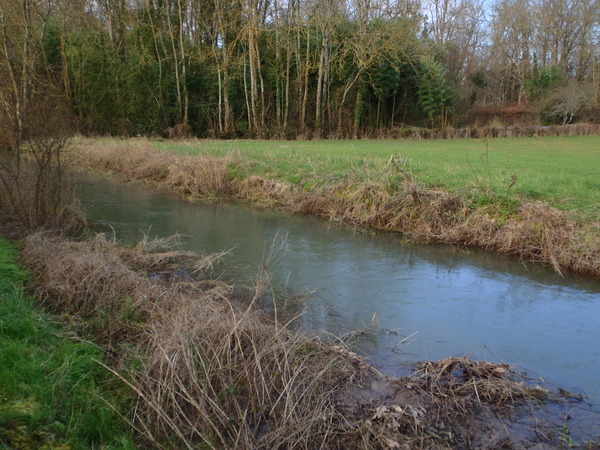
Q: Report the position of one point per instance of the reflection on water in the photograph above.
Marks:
(456, 302)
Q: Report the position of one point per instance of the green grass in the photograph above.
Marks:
(51, 387)
(562, 171)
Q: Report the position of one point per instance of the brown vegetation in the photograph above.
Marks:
(36, 193)
(495, 127)
(34, 188)
(509, 115)
(533, 232)
(209, 369)
(192, 177)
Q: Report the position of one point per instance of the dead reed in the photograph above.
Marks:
(193, 177)
(468, 382)
(212, 370)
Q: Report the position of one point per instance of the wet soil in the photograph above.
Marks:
(402, 415)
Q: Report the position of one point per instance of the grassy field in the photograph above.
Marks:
(51, 387)
(562, 171)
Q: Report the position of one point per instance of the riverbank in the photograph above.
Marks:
(560, 171)
(208, 368)
(53, 391)
(370, 195)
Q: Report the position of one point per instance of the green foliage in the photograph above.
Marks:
(52, 45)
(543, 80)
(385, 80)
(435, 94)
(122, 72)
(52, 389)
(565, 437)
(12, 274)
(308, 186)
(132, 68)
(478, 79)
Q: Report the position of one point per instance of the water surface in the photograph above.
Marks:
(451, 302)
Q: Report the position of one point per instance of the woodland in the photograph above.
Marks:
(295, 69)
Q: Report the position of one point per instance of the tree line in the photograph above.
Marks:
(294, 68)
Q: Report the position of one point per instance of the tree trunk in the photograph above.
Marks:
(248, 107)
(286, 109)
(320, 85)
(220, 102)
(253, 81)
(186, 97)
(305, 84)
(278, 78)
(358, 111)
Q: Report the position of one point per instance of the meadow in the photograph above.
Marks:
(561, 171)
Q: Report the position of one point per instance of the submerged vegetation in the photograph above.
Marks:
(371, 192)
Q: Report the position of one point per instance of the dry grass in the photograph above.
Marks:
(468, 382)
(546, 235)
(493, 130)
(211, 370)
(530, 231)
(238, 382)
(193, 177)
(534, 233)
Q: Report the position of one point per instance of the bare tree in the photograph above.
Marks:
(35, 130)
(512, 32)
(564, 33)
(458, 27)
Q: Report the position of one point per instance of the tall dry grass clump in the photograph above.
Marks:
(544, 234)
(224, 376)
(211, 370)
(193, 177)
(261, 191)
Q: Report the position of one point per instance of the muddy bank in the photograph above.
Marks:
(209, 368)
(533, 232)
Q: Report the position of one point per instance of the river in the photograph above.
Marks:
(431, 301)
